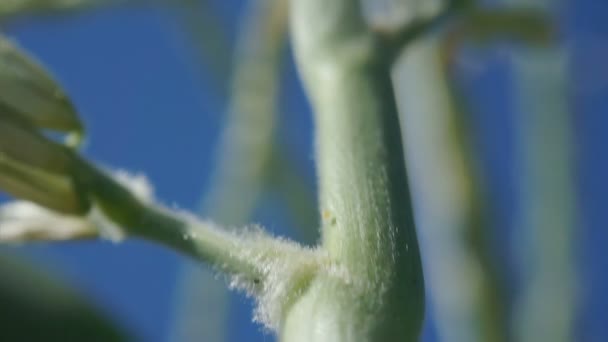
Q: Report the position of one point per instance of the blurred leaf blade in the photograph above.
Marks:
(29, 147)
(52, 191)
(36, 307)
(36, 168)
(17, 8)
(33, 166)
(31, 91)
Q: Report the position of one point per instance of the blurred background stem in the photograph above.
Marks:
(544, 309)
(38, 306)
(15, 9)
(448, 200)
(544, 239)
(209, 39)
(244, 150)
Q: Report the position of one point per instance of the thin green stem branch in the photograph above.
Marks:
(246, 255)
(151, 222)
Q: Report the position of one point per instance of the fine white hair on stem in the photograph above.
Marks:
(137, 183)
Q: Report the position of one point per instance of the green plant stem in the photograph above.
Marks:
(244, 148)
(368, 231)
(447, 200)
(545, 309)
(490, 304)
(295, 195)
(182, 233)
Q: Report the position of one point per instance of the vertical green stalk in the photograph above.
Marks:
(243, 155)
(245, 147)
(295, 195)
(448, 204)
(545, 309)
(372, 289)
(203, 26)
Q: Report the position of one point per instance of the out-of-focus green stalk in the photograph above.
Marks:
(211, 44)
(243, 155)
(545, 237)
(37, 306)
(296, 196)
(447, 200)
(245, 145)
(14, 9)
(544, 309)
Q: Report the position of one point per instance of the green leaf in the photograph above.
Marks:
(37, 307)
(13, 7)
(33, 166)
(36, 168)
(30, 91)
(24, 144)
(56, 192)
